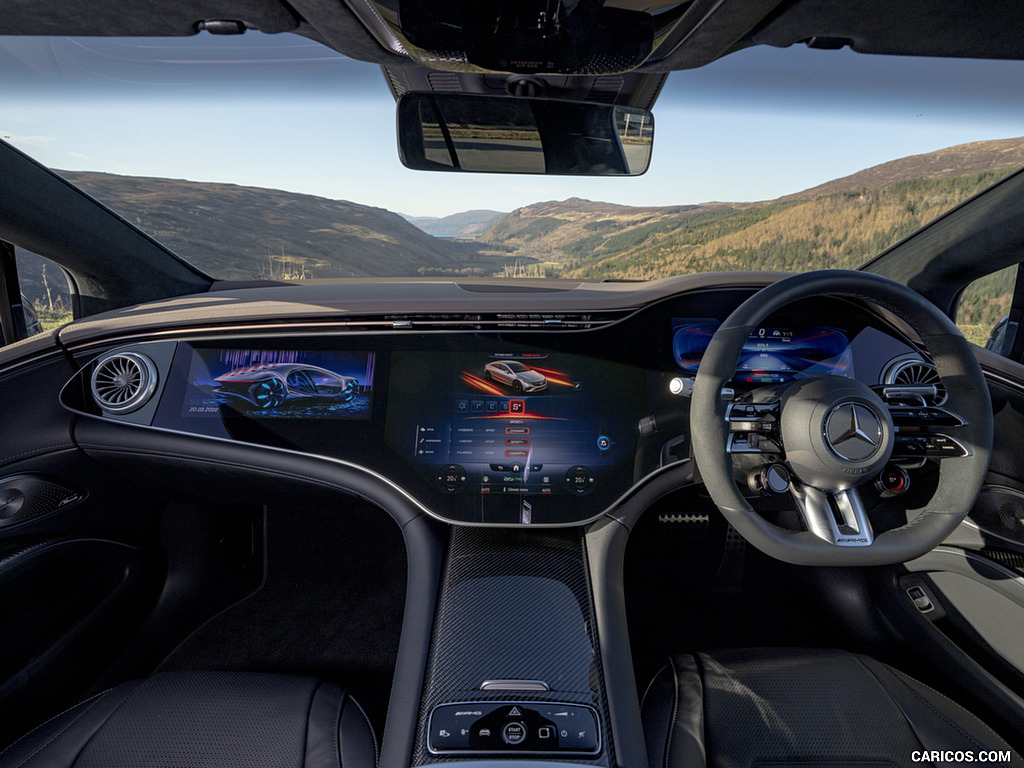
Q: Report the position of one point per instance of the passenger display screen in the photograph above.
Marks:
(512, 422)
(771, 355)
(279, 384)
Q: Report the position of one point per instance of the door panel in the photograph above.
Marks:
(960, 608)
(70, 606)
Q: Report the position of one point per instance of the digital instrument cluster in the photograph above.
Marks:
(771, 355)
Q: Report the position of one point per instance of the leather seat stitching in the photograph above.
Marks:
(373, 734)
(309, 720)
(90, 702)
(675, 710)
(80, 715)
(940, 714)
(927, 703)
(336, 728)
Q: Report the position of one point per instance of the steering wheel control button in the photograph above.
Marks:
(536, 728)
(853, 431)
(603, 443)
(580, 480)
(925, 417)
(753, 427)
(771, 480)
(924, 446)
(513, 733)
(892, 481)
(452, 478)
(752, 412)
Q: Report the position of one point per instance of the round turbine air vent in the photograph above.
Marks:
(912, 371)
(123, 382)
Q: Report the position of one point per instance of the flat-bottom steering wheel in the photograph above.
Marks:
(834, 434)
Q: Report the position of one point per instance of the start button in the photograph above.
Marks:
(513, 733)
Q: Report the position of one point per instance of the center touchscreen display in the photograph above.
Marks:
(279, 384)
(512, 422)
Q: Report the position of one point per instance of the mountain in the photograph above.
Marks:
(464, 224)
(838, 224)
(236, 232)
(960, 160)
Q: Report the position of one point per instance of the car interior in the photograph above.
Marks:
(717, 519)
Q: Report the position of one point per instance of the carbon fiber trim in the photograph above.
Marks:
(515, 605)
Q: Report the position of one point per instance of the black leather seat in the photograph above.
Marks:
(205, 720)
(809, 708)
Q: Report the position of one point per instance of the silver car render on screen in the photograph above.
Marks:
(272, 384)
(516, 375)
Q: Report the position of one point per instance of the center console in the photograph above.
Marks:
(514, 666)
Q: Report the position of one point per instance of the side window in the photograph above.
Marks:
(983, 313)
(35, 293)
(44, 292)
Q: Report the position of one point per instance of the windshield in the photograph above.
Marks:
(274, 158)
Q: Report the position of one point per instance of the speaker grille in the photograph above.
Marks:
(26, 497)
(123, 382)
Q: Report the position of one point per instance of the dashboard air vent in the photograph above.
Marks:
(912, 372)
(123, 382)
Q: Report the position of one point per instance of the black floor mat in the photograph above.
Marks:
(331, 604)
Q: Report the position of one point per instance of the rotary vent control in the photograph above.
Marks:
(123, 382)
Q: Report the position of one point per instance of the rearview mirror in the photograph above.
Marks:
(508, 134)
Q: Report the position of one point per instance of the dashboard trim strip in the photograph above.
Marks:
(376, 476)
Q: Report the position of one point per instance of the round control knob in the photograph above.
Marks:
(580, 480)
(892, 481)
(770, 480)
(681, 386)
(452, 478)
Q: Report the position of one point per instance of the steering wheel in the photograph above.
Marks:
(833, 434)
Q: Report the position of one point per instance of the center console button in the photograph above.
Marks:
(513, 733)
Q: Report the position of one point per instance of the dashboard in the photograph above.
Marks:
(542, 426)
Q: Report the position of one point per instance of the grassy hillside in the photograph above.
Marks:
(841, 230)
(234, 232)
(961, 160)
(839, 224)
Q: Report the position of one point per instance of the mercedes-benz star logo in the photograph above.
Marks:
(853, 432)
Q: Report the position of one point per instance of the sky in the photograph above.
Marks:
(286, 113)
